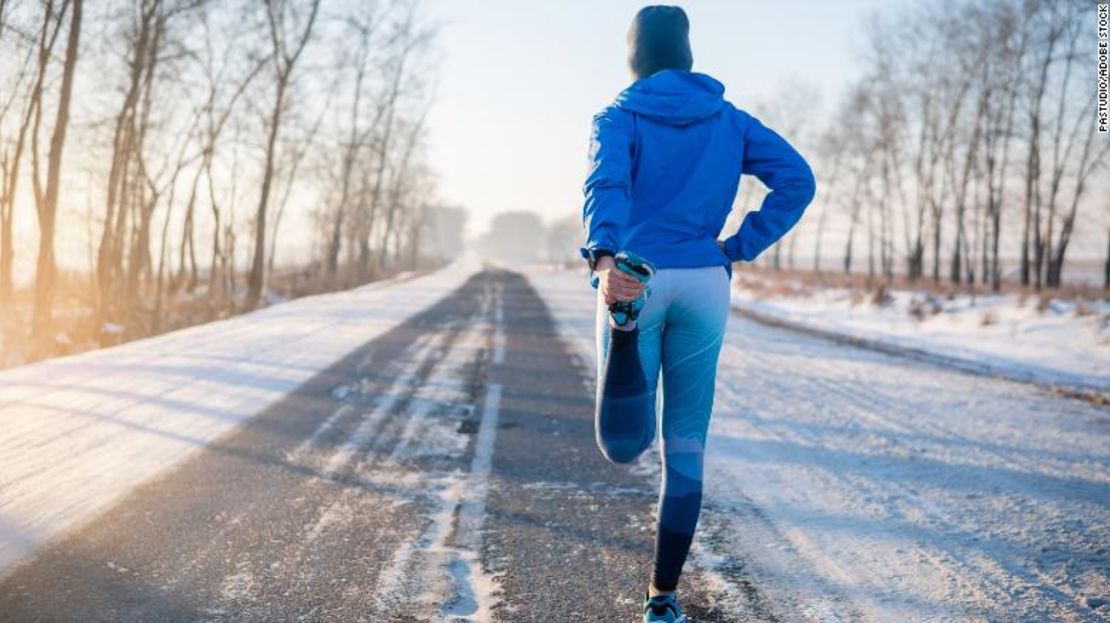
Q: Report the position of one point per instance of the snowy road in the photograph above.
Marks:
(445, 470)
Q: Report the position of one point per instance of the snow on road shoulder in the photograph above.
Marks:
(78, 432)
(1064, 344)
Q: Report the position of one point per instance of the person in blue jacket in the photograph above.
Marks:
(665, 164)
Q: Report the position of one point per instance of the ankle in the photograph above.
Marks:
(655, 592)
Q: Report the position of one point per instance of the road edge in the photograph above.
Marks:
(1073, 388)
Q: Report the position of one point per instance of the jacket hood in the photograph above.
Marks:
(674, 97)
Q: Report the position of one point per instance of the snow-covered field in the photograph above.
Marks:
(80, 431)
(1065, 343)
(845, 484)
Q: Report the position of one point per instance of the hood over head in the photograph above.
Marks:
(674, 97)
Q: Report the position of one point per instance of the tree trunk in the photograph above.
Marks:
(818, 240)
(1106, 267)
(936, 244)
(7, 207)
(45, 269)
(257, 277)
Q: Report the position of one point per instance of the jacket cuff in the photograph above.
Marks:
(733, 249)
(593, 254)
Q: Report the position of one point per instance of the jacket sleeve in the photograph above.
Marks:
(783, 170)
(608, 185)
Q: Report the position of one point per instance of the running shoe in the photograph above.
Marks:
(625, 312)
(663, 609)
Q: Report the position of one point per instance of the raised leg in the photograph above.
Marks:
(628, 373)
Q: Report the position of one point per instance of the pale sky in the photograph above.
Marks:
(520, 81)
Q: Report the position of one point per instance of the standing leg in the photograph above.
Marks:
(625, 431)
(695, 321)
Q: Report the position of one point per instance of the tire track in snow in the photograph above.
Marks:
(348, 439)
(337, 512)
(422, 379)
(446, 554)
(399, 392)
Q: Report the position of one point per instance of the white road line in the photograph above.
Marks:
(474, 588)
(472, 513)
(499, 330)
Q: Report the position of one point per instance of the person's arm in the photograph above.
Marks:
(608, 185)
(783, 170)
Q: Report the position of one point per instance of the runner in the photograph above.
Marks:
(666, 159)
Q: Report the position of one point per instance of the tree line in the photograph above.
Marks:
(968, 138)
(180, 134)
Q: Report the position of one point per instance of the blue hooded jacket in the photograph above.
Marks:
(666, 159)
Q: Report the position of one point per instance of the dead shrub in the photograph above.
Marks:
(1042, 303)
(918, 308)
(881, 297)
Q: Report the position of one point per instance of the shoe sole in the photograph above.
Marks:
(681, 619)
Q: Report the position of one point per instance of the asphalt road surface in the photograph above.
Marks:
(444, 471)
(359, 498)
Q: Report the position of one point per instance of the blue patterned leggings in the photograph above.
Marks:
(680, 332)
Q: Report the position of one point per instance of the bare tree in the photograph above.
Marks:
(1065, 163)
(1008, 50)
(224, 91)
(286, 52)
(11, 155)
(163, 134)
(831, 145)
(952, 96)
(46, 192)
(359, 132)
(790, 111)
(296, 157)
